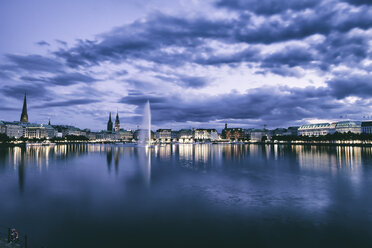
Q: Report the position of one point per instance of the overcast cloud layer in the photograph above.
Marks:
(245, 62)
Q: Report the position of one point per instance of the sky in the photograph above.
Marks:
(248, 63)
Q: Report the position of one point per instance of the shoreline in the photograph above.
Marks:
(354, 143)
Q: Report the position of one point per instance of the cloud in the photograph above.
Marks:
(167, 58)
(277, 106)
(42, 43)
(267, 7)
(359, 2)
(35, 90)
(32, 63)
(67, 103)
(62, 79)
(351, 85)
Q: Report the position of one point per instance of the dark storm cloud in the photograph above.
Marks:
(68, 103)
(354, 85)
(148, 40)
(359, 2)
(277, 105)
(64, 43)
(35, 90)
(323, 20)
(137, 98)
(267, 7)
(349, 49)
(3, 108)
(194, 82)
(33, 63)
(62, 79)
(43, 43)
(291, 56)
(142, 39)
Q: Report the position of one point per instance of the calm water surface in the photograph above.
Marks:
(188, 195)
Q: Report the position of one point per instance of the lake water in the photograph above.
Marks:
(201, 195)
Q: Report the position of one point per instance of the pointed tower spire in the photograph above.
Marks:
(117, 122)
(24, 116)
(49, 122)
(109, 123)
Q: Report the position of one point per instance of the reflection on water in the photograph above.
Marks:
(200, 156)
(199, 189)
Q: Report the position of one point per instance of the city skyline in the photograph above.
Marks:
(201, 64)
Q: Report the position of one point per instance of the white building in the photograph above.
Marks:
(163, 135)
(185, 136)
(34, 131)
(206, 134)
(14, 129)
(348, 126)
(315, 129)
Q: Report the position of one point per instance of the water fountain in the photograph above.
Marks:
(145, 131)
(144, 143)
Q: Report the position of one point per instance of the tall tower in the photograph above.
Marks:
(109, 124)
(24, 116)
(117, 122)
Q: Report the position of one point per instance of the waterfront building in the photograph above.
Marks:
(13, 129)
(163, 135)
(258, 135)
(174, 136)
(35, 131)
(366, 127)
(292, 131)
(109, 124)
(136, 134)
(126, 135)
(24, 115)
(117, 122)
(315, 129)
(206, 134)
(2, 127)
(50, 132)
(185, 136)
(107, 136)
(348, 126)
(233, 133)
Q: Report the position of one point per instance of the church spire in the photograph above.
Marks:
(24, 116)
(109, 123)
(117, 122)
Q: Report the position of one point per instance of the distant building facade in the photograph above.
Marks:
(233, 133)
(314, 129)
(348, 126)
(185, 136)
(163, 135)
(206, 134)
(366, 127)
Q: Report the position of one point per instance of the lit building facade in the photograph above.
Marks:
(366, 127)
(163, 135)
(233, 133)
(206, 134)
(34, 131)
(315, 129)
(185, 136)
(348, 126)
(126, 135)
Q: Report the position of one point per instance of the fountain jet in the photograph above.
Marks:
(145, 131)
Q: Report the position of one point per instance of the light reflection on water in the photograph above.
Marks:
(272, 186)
